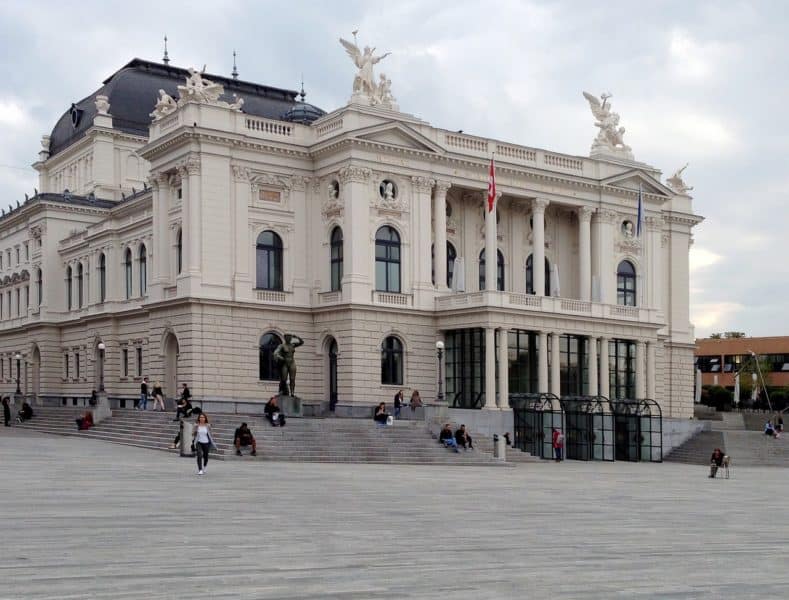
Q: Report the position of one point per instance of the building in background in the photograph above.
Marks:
(187, 222)
(719, 359)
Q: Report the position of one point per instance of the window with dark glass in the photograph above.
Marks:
(68, 289)
(127, 268)
(268, 367)
(387, 260)
(530, 276)
(40, 285)
(179, 252)
(523, 356)
(464, 352)
(392, 361)
(573, 365)
(76, 365)
(269, 261)
(139, 362)
(65, 365)
(102, 278)
(79, 286)
(499, 270)
(626, 284)
(336, 259)
(621, 369)
(451, 256)
(125, 362)
(143, 271)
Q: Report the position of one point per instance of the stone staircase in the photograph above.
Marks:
(698, 449)
(303, 440)
(751, 448)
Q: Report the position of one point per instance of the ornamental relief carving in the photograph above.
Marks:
(241, 174)
(354, 174)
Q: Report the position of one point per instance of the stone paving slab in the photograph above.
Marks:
(85, 519)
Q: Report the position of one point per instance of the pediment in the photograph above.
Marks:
(398, 134)
(634, 179)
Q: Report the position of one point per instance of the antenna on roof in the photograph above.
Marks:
(166, 57)
(235, 70)
(303, 94)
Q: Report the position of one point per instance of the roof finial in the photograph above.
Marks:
(235, 70)
(166, 57)
(303, 94)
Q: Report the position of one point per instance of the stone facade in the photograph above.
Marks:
(161, 234)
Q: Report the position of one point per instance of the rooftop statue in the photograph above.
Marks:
(164, 106)
(610, 138)
(364, 86)
(200, 89)
(676, 183)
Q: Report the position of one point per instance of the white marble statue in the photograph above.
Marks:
(383, 94)
(388, 191)
(627, 229)
(164, 106)
(237, 103)
(332, 190)
(364, 85)
(102, 105)
(200, 89)
(610, 138)
(676, 183)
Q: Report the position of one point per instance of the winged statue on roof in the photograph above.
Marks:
(610, 138)
(364, 84)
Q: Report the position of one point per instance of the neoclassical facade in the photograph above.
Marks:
(188, 222)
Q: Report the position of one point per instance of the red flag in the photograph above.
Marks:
(491, 186)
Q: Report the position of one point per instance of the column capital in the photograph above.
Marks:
(241, 174)
(442, 187)
(423, 184)
(585, 213)
(539, 205)
(353, 174)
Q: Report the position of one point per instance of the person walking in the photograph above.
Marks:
(203, 441)
(143, 404)
(6, 412)
(158, 396)
(557, 441)
(398, 404)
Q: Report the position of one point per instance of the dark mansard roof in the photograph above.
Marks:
(132, 92)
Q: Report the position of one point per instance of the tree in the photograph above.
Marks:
(731, 335)
(716, 336)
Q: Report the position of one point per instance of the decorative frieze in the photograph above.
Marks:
(422, 185)
(353, 174)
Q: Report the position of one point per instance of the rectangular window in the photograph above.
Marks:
(139, 362)
(125, 362)
(465, 367)
(523, 355)
(622, 369)
(2, 369)
(17, 255)
(27, 296)
(573, 365)
(27, 252)
(65, 365)
(76, 365)
(18, 303)
(1, 260)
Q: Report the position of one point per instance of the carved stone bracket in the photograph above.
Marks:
(241, 174)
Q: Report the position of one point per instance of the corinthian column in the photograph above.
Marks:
(538, 251)
(585, 252)
(440, 234)
(355, 193)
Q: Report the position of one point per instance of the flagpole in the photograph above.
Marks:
(491, 235)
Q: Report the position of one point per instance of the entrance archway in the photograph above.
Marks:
(331, 347)
(171, 351)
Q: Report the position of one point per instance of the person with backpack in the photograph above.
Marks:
(557, 439)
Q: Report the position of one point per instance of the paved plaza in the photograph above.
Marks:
(86, 519)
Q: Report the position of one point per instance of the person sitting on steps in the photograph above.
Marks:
(716, 461)
(85, 422)
(243, 437)
(274, 413)
(25, 414)
(380, 416)
(184, 408)
(463, 438)
(447, 438)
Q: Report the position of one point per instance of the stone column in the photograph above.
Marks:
(594, 389)
(440, 233)
(640, 379)
(186, 229)
(298, 252)
(585, 252)
(556, 382)
(242, 284)
(542, 363)
(490, 367)
(654, 254)
(195, 215)
(538, 248)
(357, 257)
(651, 370)
(422, 189)
(491, 244)
(605, 377)
(604, 268)
(504, 368)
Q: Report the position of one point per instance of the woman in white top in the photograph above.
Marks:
(203, 441)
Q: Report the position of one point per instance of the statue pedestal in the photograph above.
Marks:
(102, 409)
(290, 405)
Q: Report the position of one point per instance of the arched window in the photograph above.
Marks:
(40, 285)
(127, 268)
(102, 278)
(530, 276)
(451, 256)
(387, 260)
(68, 290)
(626, 284)
(392, 361)
(269, 261)
(336, 259)
(143, 271)
(179, 252)
(499, 270)
(80, 297)
(269, 369)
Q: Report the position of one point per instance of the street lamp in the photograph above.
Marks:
(102, 347)
(18, 358)
(440, 354)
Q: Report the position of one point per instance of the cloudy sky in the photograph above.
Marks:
(698, 82)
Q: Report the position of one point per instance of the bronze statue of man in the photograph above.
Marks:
(284, 355)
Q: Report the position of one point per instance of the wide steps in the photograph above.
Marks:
(698, 449)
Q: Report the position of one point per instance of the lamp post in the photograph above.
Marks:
(439, 355)
(101, 347)
(18, 358)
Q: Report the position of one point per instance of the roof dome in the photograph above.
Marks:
(133, 90)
